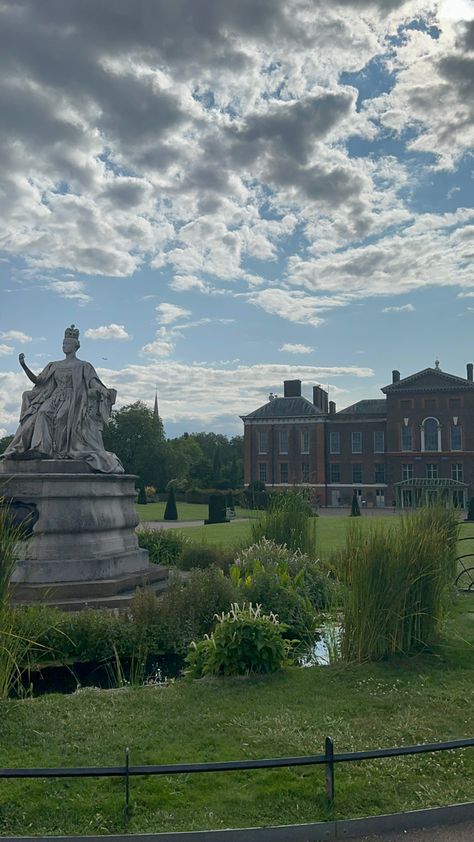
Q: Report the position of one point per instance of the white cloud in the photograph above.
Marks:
(403, 308)
(16, 336)
(5, 350)
(70, 289)
(111, 331)
(296, 306)
(168, 313)
(296, 349)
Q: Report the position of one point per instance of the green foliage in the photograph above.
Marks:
(285, 582)
(165, 546)
(244, 641)
(397, 580)
(203, 555)
(4, 442)
(138, 440)
(141, 499)
(189, 606)
(470, 513)
(287, 520)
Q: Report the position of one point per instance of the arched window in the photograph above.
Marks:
(431, 434)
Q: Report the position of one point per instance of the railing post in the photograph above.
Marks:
(329, 752)
(127, 785)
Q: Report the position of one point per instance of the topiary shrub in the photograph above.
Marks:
(244, 641)
(141, 499)
(171, 512)
(165, 546)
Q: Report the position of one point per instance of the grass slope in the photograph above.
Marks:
(186, 511)
(428, 698)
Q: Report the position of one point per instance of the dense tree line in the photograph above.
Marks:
(193, 460)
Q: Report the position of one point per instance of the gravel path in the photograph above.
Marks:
(453, 833)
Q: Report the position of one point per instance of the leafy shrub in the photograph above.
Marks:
(150, 492)
(165, 546)
(397, 582)
(244, 641)
(203, 556)
(287, 520)
(284, 582)
(188, 607)
(171, 512)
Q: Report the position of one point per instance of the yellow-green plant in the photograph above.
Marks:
(396, 583)
(287, 520)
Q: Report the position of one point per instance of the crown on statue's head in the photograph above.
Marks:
(72, 332)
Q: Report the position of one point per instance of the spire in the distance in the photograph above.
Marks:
(156, 415)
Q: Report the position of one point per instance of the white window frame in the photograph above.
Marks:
(423, 448)
(402, 448)
(283, 449)
(334, 435)
(353, 434)
(379, 433)
(357, 465)
(303, 466)
(331, 466)
(409, 467)
(458, 469)
(262, 442)
(304, 438)
(455, 427)
(433, 474)
(283, 481)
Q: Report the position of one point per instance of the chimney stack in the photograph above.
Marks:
(292, 388)
(320, 398)
(332, 408)
(470, 369)
(395, 376)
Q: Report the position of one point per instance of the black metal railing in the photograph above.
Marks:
(328, 759)
(465, 578)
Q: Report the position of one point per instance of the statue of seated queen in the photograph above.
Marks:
(63, 415)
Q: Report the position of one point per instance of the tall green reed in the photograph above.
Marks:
(15, 648)
(396, 583)
(287, 520)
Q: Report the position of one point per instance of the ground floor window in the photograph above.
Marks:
(262, 471)
(305, 472)
(283, 471)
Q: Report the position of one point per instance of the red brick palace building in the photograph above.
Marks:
(401, 449)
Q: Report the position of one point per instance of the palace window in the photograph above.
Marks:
(455, 403)
(457, 471)
(456, 438)
(379, 441)
(305, 472)
(305, 441)
(407, 438)
(407, 470)
(335, 472)
(357, 442)
(262, 442)
(262, 471)
(283, 471)
(430, 434)
(334, 442)
(379, 472)
(406, 403)
(431, 471)
(283, 441)
(357, 472)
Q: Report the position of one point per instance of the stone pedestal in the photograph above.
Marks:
(83, 544)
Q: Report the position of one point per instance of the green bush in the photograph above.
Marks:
(203, 556)
(285, 582)
(165, 546)
(287, 520)
(171, 512)
(244, 641)
(396, 584)
(188, 607)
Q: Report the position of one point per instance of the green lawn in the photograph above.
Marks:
(424, 699)
(186, 511)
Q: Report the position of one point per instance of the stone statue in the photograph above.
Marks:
(63, 415)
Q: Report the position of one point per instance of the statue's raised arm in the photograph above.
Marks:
(63, 415)
(28, 372)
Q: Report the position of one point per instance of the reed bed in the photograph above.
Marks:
(396, 581)
(287, 521)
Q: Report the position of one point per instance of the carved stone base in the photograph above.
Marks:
(85, 531)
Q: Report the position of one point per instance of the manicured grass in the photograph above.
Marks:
(425, 699)
(186, 511)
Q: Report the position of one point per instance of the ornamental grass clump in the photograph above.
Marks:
(244, 641)
(396, 581)
(287, 520)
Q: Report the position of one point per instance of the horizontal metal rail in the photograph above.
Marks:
(233, 765)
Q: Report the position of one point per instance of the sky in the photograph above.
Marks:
(224, 194)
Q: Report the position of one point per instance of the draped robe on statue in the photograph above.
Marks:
(63, 416)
